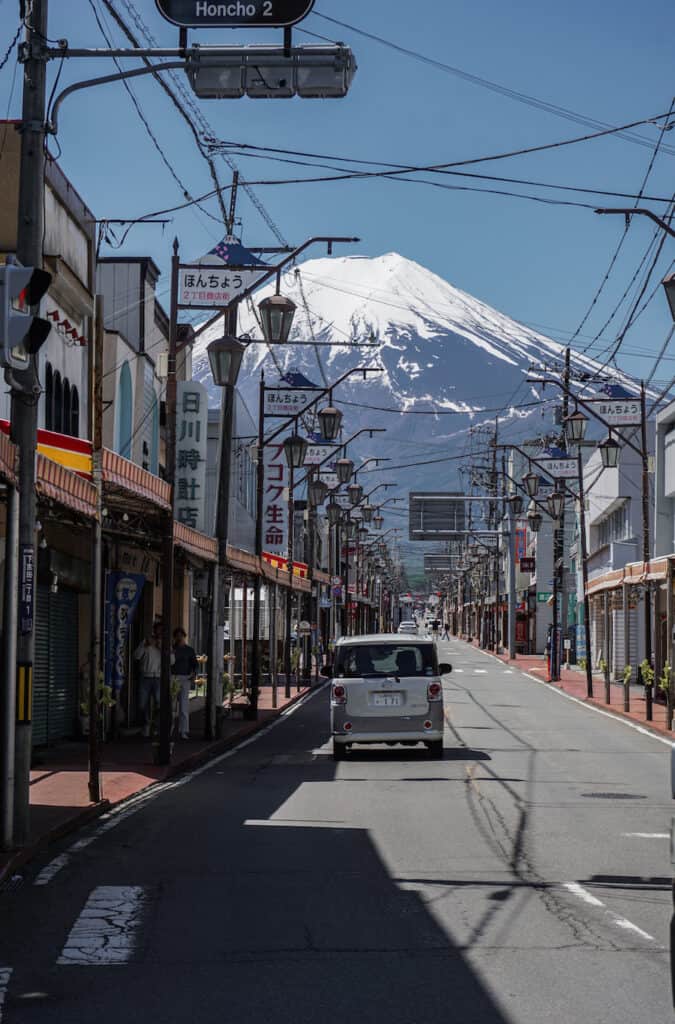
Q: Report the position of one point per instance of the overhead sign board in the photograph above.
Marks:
(618, 412)
(527, 564)
(287, 401)
(234, 13)
(205, 286)
(560, 469)
(435, 515)
(316, 453)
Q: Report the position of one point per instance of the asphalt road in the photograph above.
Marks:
(524, 878)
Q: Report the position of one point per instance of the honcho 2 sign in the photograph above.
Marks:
(234, 13)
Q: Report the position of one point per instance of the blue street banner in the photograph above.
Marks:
(122, 595)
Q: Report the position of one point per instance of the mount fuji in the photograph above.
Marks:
(441, 351)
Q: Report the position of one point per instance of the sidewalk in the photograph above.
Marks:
(59, 797)
(573, 682)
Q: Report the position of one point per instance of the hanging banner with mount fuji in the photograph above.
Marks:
(234, 13)
(220, 277)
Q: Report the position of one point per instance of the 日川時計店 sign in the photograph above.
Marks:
(618, 412)
(234, 13)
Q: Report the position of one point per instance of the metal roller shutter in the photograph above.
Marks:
(55, 671)
(41, 668)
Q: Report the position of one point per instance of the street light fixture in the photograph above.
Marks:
(225, 356)
(344, 469)
(669, 288)
(516, 503)
(295, 448)
(355, 492)
(334, 512)
(352, 528)
(555, 504)
(330, 421)
(377, 521)
(531, 483)
(276, 317)
(367, 513)
(575, 427)
(316, 491)
(534, 517)
(609, 452)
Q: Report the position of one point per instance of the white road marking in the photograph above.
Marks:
(480, 671)
(646, 835)
(5, 975)
(458, 670)
(508, 671)
(116, 815)
(621, 922)
(297, 823)
(106, 932)
(591, 707)
(583, 894)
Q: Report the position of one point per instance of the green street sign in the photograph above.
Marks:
(543, 596)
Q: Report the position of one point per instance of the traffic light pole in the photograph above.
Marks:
(24, 386)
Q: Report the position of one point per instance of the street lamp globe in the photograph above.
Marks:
(316, 491)
(531, 484)
(276, 317)
(352, 528)
(334, 512)
(363, 533)
(344, 469)
(367, 513)
(555, 502)
(330, 421)
(355, 492)
(575, 427)
(295, 448)
(377, 521)
(225, 356)
(534, 517)
(609, 452)
(516, 503)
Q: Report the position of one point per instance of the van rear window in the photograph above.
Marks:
(391, 659)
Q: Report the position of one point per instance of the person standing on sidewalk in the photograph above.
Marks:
(184, 670)
(446, 631)
(149, 655)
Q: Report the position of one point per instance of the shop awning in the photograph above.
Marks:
(136, 481)
(8, 460)
(632, 574)
(245, 561)
(65, 487)
(321, 577)
(195, 543)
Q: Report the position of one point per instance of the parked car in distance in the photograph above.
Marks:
(386, 688)
(407, 626)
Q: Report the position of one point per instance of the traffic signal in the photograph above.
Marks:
(21, 334)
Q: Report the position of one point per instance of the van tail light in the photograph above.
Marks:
(338, 694)
(434, 691)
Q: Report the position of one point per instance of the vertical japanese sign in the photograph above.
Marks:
(191, 429)
(122, 594)
(275, 500)
(521, 543)
(26, 588)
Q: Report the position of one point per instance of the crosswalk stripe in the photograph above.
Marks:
(107, 930)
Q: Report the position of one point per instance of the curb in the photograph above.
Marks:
(27, 853)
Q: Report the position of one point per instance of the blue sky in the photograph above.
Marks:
(540, 264)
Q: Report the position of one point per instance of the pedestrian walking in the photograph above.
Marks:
(446, 631)
(149, 654)
(184, 671)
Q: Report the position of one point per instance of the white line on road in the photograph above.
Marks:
(621, 922)
(458, 670)
(5, 975)
(297, 823)
(480, 671)
(116, 815)
(646, 835)
(106, 932)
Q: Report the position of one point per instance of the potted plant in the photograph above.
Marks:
(104, 699)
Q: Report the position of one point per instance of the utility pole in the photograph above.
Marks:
(512, 582)
(645, 540)
(559, 593)
(97, 553)
(25, 390)
(260, 483)
(289, 595)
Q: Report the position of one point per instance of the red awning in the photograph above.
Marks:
(128, 476)
(195, 542)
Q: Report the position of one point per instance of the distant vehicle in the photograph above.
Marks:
(386, 688)
(407, 627)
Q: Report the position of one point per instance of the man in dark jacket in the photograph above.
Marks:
(184, 670)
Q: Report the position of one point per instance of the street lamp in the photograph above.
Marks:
(531, 483)
(334, 512)
(355, 492)
(367, 513)
(295, 448)
(330, 421)
(316, 491)
(609, 452)
(276, 317)
(225, 356)
(377, 521)
(669, 288)
(352, 528)
(363, 534)
(575, 427)
(344, 469)
(555, 504)
(534, 517)
(516, 504)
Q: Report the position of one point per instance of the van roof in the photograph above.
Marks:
(371, 638)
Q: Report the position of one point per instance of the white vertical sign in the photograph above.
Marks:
(191, 428)
(275, 500)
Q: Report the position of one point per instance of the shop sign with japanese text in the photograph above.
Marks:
(205, 287)
(527, 564)
(275, 499)
(561, 469)
(330, 479)
(286, 401)
(316, 453)
(618, 412)
(191, 426)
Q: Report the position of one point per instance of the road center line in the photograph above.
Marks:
(583, 894)
(646, 835)
(5, 975)
(621, 922)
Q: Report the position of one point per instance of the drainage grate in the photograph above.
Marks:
(615, 796)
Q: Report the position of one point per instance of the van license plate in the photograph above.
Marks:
(387, 700)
